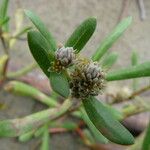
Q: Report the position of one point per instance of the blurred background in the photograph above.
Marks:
(61, 17)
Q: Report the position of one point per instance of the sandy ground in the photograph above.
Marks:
(61, 17)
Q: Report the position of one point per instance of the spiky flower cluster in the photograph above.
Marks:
(65, 57)
(86, 79)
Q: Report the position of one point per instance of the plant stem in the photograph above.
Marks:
(22, 72)
(5, 47)
(6, 51)
(133, 109)
(15, 127)
(142, 9)
(3, 64)
(133, 95)
(138, 92)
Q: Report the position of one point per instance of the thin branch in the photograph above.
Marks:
(5, 46)
(23, 71)
(15, 127)
(138, 92)
(133, 95)
(142, 9)
(125, 4)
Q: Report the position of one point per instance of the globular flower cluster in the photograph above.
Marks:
(65, 57)
(86, 79)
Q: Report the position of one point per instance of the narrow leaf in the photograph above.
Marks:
(141, 70)
(19, 126)
(106, 123)
(82, 34)
(40, 50)
(146, 142)
(134, 58)
(110, 60)
(3, 8)
(69, 125)
(42, 29)
(26, 136)
(115, 113)
(88, 136)
(23, 89)
(134, 61)
(97, 135)
(45, 139)
(22, 31)
(4, 21)
(39, 131)
(111, 38)
(3, 14)
(59, 83)
(23, 71)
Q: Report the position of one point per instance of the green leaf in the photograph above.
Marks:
(23, 89)
(134, 58)
(4, 21)
(59, 83)
(97, 135)
(26, 136)
(134, 61)
(82, 34)
(6, 129)
(115, 113)
(141, 70)
(88, 135)
(69, 125)
(42, 29)
(22, 31)
(3, 8)
(111, 38)
(18, 126)
(39, 131)
(106, 123)
(3, 14)
(40, 50)
(110, 60)
(146, 142)
(45, 140)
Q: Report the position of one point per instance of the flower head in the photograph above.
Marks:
(65, 57)
(87, 79)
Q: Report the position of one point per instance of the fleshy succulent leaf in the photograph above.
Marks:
(82, 34)
(109, 60)
(97, 135)
(140, 70)
(42, 29)
(40, 50)
(111, 38)
(106, 123)
(59, 83)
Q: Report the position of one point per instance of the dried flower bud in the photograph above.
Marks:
(64, 58)
(87, 79)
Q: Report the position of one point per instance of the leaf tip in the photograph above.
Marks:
(129, 19)
(26, 11)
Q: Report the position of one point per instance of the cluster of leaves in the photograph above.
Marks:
(43, 45)
(103, 122)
